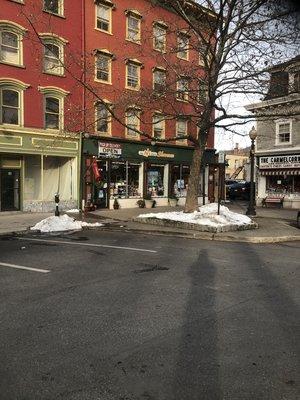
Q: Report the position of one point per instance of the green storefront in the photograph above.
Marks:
(35, 165)
(130, 170)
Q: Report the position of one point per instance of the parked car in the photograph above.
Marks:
(239, 190)
(298, 219)
(228, 185)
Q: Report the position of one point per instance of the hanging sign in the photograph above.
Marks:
(109, 150)
(287, 161)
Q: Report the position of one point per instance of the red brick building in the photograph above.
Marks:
(141, 61)
(39, 155)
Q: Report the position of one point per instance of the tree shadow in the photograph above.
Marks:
(197, 375)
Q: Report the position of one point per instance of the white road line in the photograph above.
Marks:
(43, 271)
(88, 244)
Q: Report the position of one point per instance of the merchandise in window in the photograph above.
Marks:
(52, 113)
(155, 180)
(124, 180)
(279, 184)
(9, 47)
(103, 17)
(10, 107)
(179, 179)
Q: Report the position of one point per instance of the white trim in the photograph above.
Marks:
(283, 122)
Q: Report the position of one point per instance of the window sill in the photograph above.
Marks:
(18, 1)
(12, 65)
(182, 101)
(53, 74)
(160, 51)
(104, 82)
(6, 125)
(136, 138)
(134, 89)
(183, 59)
(283, 144)
(53, 130)
(101, 30)
(102, 134)
(54, 14)
(134, 42)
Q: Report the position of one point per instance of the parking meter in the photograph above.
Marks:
(56, 199)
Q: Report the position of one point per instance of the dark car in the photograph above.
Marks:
(239, 190)
(228, 184)
(298, 219)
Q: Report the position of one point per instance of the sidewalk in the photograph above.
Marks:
(275, 225)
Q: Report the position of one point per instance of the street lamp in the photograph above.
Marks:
(251, 206)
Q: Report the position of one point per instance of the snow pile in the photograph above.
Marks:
(73, 211)
(207, 215)
(61, 223)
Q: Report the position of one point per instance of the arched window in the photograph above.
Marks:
(53, 58)
(53, 107)
(11, 45)
(10, 106)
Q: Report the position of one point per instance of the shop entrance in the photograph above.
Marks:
(10, 189)
(101, 192)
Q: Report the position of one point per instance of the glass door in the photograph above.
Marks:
(10, 189)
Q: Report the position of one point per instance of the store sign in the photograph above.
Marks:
(157, 154)
(109, 150)
(288, 161)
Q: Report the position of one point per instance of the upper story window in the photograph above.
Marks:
(159, 80)
(183, 46)
(181, 129)
(133, 26)
(283, 132)
(132, 122)
(182, 93)
(11, 101)
(53, 107)
(294, 82)
(53, 59)
(103, 66)
(159, 37)
(11, 43)
(54, 6)
(133, 75)
(104, 16)
(158, 123)
(103, 119)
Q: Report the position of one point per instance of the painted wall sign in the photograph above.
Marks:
(109, 150)
(159, 154)
(287, 161)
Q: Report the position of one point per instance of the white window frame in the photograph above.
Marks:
(185, 93)
(56, 93)
(19, 107)
(183, 53)
(17, 86)
(109, 119)
(59, 70)
(138, 67)
(19, 31)
(180, 120)
(161, 123)
(283, 122)
(163, 29)
(109, 7)
(109, 58)
(60, 12)
(138, 33)
(137, 114)
(163, 86)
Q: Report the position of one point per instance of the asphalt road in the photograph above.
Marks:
(187, 320)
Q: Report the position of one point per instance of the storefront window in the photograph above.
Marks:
(124, 179)
(32, 178)
(280, 184)
(155, 180)
(179, 179)
(58, 177)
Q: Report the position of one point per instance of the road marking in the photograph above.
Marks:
(43, 271)
(88, 244)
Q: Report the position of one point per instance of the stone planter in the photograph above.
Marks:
(149, 203)
(173, 202)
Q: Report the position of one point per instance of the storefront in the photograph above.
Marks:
(33, 167)
(279, 174)
(129, 171)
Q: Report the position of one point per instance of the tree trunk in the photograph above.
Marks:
(191, 203)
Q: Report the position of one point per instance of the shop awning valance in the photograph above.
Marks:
(280, 172)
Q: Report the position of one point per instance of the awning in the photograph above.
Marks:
(280, 172)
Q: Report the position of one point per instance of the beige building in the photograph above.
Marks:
(237, 160)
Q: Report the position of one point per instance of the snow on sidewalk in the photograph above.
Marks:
(62, 223)
(207, 215)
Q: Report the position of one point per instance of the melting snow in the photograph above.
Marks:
(73, 211)
(207, 215)
(61, 223)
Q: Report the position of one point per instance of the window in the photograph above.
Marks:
(183, 46)
(53, 58)
(294, 82)
(158, 126)
(203, 92)
(182, 89)
(132, 122)
(159, 37)
(10, 106)
(103, 119)
(104, 17)
(52, 113)
(11, 43)
(54, 6)
(134, 28)
(283, 130)
(159, 80)
(103, 67)
(124, 180)
(181, 129)
(133, 72)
